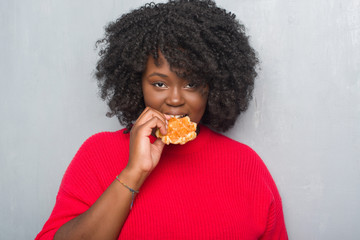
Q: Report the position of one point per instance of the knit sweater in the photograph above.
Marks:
(210, 188)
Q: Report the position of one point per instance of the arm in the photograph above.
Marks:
(104, 219)
(275, 228)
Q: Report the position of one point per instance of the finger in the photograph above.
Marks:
(155, 112)
(150, 113)
(154, 122)
(142, 114)
(157, 147)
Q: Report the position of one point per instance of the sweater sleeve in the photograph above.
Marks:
(275, 227)
(79, 189)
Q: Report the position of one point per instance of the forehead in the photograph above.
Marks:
(162, 65)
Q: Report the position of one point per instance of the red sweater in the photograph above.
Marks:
(210, 188)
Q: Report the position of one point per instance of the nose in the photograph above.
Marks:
(175, 97)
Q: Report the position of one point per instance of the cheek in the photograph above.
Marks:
(153, 100)
(202, 100)
(201, 103)
(198, 105)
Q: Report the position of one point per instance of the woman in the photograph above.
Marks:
(183, 58)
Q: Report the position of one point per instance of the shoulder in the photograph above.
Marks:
(101, 148)
(106, 137)
(241, 156)
(253, 173)
(230, 145)
(102, 154)
(104, 141)
(252, 180)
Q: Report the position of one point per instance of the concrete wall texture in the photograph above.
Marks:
(304, 120)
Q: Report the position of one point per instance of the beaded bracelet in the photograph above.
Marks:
(130, 189)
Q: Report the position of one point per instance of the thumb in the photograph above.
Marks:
(157, 147)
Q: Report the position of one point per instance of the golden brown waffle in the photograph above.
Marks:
(180, 131)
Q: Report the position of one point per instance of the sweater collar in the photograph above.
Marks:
(189, 147)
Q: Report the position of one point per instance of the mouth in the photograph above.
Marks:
(177, 116)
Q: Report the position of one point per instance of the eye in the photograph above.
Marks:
(190, 85)
(159, 84)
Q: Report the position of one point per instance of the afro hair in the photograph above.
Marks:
(206, 42)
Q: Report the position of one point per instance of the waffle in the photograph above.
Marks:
(180, 131)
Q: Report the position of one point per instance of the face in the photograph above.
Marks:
(164, 91)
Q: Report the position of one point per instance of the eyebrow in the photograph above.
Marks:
(158, 74)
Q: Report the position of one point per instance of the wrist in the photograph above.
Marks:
(133, 177)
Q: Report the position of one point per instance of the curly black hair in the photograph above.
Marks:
(204, 41)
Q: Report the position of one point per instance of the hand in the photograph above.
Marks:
(144, 156)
